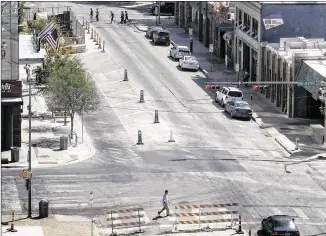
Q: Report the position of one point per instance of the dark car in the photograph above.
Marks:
(238, 109)
(161, 37)
(151, 30)
(166, 8)
(280, 225)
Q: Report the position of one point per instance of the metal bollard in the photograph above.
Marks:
(156, 117)
(92, 34)
(103, 46)
(99, 43)
(83, 22)
(12, 227)
(95, 34)
(126, 76)
(239, 231)
(171, 140)
(297, 143)
(140, 139)
(251, 96)
(141, 100)
(249, 232)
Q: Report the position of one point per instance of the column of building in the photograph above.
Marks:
(182, 14)
(188, 16)
(176, 12)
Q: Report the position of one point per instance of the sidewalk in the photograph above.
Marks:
(46, 133)
(269, 117)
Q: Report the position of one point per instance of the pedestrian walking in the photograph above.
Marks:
(165, 204)
(126, 17)
(112, 17)
(97, 13)
(245, 77)
(3, 50)
(91, 15)
(122, 17)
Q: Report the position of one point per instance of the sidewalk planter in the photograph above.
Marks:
(43, 208)
(63, 143)
(14, 154)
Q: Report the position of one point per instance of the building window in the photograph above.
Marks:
(240, 17)
(254, 28)
(246, 22)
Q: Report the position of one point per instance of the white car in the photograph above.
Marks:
(227, 94)
(189, 62)
(177, 52)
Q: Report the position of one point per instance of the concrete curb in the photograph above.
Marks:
(138, 27)
(283, 145)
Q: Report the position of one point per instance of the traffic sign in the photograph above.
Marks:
(25, 174)
(307, 83)
(211, 49)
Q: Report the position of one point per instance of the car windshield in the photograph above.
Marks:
(242, 105)
(190, 58)
(284, 223)
(236, 94)
(184, 50)
(163, 34)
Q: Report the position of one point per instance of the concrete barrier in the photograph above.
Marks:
(317, 133)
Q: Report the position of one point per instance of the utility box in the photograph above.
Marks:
(43, 208)
(63, 143)
(14, 154)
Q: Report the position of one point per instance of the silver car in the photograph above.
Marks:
(189, 62)
(151, 30)
(239, 109)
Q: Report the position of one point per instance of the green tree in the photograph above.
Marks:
(70, 87)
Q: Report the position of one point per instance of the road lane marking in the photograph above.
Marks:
(112, 107)
(323, 215)
(120, 103)
(276, 211)
(138, 112)
(118, 91)
(300, 213)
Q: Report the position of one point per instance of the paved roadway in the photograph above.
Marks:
(9, 34)
(215, 159)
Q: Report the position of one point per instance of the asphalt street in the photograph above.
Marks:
(9, 35)
(215, 159)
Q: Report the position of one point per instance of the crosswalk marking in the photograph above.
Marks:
(300, 213)
(323, 215)
(276, 211)
(11, 199)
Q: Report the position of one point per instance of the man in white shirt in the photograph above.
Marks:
(165, 204)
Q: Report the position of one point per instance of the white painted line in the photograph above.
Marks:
(111, 82)
(9, 189)
(167, 135)
(276, 211)
(300, 213)
(118, 91)
(112, 107)
(120, 102)
(323, 215)
(138, 112)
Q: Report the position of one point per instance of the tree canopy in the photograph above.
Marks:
(70, 88)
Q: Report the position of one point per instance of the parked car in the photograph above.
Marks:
(161, 37)
(239, 109)
(189, 62)
(227, 94)
(166, 8)
(178, 52)
(151, 29)
(281, 225)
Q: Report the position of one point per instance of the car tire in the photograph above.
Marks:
(222, 103)
(231, 114)
(216, 99)
(168, 44)
(181, 67)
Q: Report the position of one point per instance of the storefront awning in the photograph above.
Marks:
(11, 101)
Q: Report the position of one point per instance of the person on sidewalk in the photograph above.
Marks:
(126, 17)
(91, 15)
(122, 17)
(165, 204)
(245, 77)
(3, 50)
(97, 13)
(112, 17)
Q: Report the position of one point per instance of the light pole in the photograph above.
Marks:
(29, 181)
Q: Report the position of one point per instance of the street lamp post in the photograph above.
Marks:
(29, 181)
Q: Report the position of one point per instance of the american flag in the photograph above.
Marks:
(52, 38)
